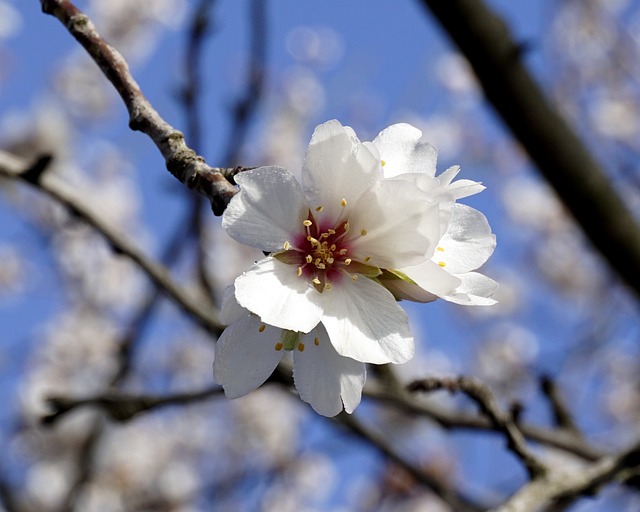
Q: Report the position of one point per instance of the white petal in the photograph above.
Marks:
(403, 290)
(468, 242)
(272, 290)
(365, 323)
(460, 188)
(268, 210)
(476, 290)
(337, 166)
(431, 277)
(325, 379)
(231, 311)
(401, 226)
(245, 357)
(402, 152)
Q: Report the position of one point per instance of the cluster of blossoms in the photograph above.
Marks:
(370, 224)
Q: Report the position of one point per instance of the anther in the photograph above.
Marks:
(308, 258)
(342, 252)
(316, 342)
(315, 280)
(363, 232)
(442, 264)
(299, 271)
(383, 163)
(278, 346)
(354, 277)
(367, 259)
(301, 347)
(343, 202)
(347, 261)
(287, 246)
(307, 223)
(441, 249)
(319, 209)
(328, 286)
(262, 328)
(331, 231)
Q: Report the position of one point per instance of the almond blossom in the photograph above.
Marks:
(327, 241)
(248, 351)
(465, 240)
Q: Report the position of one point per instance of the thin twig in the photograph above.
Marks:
(189, 168)
(483, 397)
(14, 167)
(561, 414)
(123, 407)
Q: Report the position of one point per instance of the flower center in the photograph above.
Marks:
(321, 253)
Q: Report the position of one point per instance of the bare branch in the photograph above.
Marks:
(560, 156)
(483, 397)
(567, 484)
(122, 407)
(561, 413)
(14, 167)
(189, 168)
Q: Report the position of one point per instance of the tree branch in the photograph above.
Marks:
(16, 168)
(189, 168)
(553, 146)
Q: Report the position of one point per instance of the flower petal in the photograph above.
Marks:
(364, 322)
(402, 152)
(245, 356)
(401, 226)
(467, 243)
(272, 290)
(476, 290)
(325, 379)
(432, 277)
(268, 210)
(337, 166)
(230, 311)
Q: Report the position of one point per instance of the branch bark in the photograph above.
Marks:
(561, 157)
(181, 161)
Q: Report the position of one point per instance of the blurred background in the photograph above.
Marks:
(247, 81)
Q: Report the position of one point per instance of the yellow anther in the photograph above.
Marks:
(262, 328)
(441, 249)
(383, 163)
(330, 260)
(278, 346)
(346, 227)
(308, 258)
(347, 261)
(328, 286)
(342, 252)
(299, 271)
(287, 246)
(316, 342)
(301, 347)
(367, 259)
(333, 247)
(442, 264)
(331, 231)
(343, 202)
(319, 208)
(363, 232)
(307, 223)
(354, 277)
(315, 280)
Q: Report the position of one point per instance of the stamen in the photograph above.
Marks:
(347, 261)
(342, 252)
(286, 246)
(319, 209)
(301, 347)
(363, 232)
(330, 260)
(333, 247)
(278, 346)
(367, 259)
(315, 280)
(262, 328)
(354, 277)
(316, 342)
(345, 226)
(383, 163)
(343, 202)
(442, 264)
(328, 286)
(331, 231)
(307, 223)
(299, 271)
(441, 249)
(308, 258)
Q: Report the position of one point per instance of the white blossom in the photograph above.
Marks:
(328, 240)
